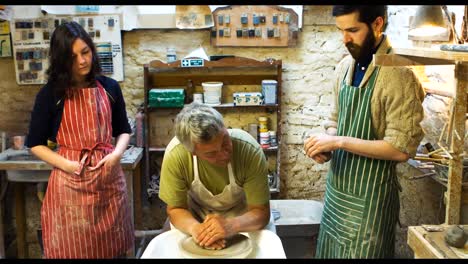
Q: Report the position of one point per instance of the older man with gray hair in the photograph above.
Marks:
(213, 179)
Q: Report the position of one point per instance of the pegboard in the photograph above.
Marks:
(254, 26)
(31, 42)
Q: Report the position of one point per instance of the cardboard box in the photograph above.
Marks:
(247, 99)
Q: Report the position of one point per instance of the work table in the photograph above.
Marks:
(428, 241)
(11, 159)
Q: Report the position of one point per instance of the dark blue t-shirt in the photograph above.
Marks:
(360, 68)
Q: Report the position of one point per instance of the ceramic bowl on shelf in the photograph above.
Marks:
(212, 92)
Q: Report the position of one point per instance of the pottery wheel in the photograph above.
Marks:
(238, 246)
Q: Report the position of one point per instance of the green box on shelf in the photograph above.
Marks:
(166, 98)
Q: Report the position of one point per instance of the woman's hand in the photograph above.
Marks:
(72, 166)
(110, 161)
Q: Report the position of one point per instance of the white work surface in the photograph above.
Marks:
(166, 245)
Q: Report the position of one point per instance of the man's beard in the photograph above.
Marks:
(361, 53)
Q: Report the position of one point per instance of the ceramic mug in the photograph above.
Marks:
(18, 142)
(198, 98)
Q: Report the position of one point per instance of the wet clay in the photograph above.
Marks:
(238, 246)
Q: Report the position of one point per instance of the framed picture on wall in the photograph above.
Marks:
(5, 45)
(5, 40)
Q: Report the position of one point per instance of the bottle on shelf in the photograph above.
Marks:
(189, 92)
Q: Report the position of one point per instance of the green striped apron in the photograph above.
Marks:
(361, 198)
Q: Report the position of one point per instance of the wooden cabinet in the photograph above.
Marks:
(455, 194)
(237, 75)
(431, 244)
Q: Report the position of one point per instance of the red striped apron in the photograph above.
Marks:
(86, 216)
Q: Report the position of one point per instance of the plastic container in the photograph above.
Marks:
(273, 141)
(171, 55)
(212, 92)
(269, 91)
(263, 124)
(247, 98)
(265, 139)
(161, 98)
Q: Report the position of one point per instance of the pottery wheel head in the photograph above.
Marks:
(237, 246)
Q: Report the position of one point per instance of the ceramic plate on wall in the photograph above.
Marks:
(238, 246)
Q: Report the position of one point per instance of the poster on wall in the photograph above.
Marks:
(6, 12)
(5, 40)
(31, 40)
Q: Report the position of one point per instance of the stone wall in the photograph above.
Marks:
(307, 75)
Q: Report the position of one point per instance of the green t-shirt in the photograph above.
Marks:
(248, 163)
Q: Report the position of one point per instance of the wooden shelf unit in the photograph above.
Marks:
(424, 56)
(238, 74)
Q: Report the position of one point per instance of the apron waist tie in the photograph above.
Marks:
(85, 154)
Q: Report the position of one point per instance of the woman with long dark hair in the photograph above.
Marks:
(85, 213)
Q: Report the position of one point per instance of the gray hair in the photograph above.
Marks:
(197, 123)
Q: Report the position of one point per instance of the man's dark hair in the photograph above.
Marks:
(61, 57)
(367, 13)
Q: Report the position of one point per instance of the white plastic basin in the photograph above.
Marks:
(297, 212)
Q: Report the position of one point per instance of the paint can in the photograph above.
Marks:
(263, 124)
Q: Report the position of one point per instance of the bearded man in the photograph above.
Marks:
(374, 124)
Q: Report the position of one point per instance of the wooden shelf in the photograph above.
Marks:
(161, 150)
(226, 105)
(237, 74)
(274, 190)
(420, 56)
(155, 149)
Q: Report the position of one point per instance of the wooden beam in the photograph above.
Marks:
(455, 172)
(21, 228)
(452, 56)
(438, 88)
(396, 60)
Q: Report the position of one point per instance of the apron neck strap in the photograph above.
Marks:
(197, 177)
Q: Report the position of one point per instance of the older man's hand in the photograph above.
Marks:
(216, 228)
